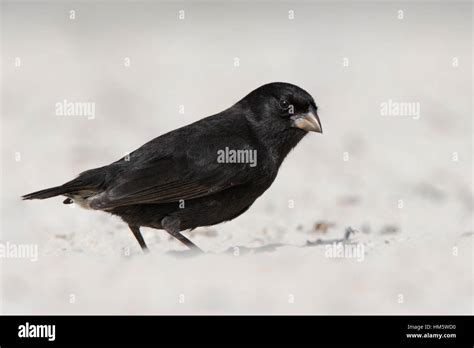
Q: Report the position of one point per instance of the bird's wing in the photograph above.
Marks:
(189, 172)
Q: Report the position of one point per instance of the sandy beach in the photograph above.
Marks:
(394, 164)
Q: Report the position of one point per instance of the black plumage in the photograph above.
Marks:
(176, 181)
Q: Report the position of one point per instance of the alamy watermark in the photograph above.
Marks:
(345, 250)
(237, 156)
(406, 109)
(28, 330)
(68, 108)
(19, 251)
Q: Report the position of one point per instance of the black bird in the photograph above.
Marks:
(204, 173)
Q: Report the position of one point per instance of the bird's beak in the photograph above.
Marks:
(308, 121)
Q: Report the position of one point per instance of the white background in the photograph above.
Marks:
(190, 62)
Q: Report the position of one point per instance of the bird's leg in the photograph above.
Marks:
(139, 237)
(171, 225)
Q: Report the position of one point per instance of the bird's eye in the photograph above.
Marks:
(284, 104)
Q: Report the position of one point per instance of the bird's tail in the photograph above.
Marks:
(47, 193)
(90, 180)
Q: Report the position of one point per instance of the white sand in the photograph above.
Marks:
(423, 267)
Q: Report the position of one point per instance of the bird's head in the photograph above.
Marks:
(284, 106)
